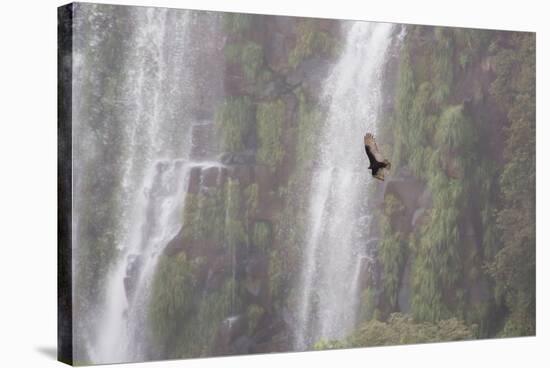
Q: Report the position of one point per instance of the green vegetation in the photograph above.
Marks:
(443, 63)
(513, 267)
(251, 197)
(392, 250)
(261, 235)
(204, 216)
(480, 223)
(249, 56)
(196, 335)
(270, 117)
(234, 229)
(368, 304)
(277, 267)
(306, 132)
(436, 150)
(173, 289)
(235, 119)
(401, 329)
(310, 40)
(253, 313)
(237, 23)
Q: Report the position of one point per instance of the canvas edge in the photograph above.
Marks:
(64, 184)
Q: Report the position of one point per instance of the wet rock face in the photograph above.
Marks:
(279, 40)
(241, 173)
(235, 337)
(247, 157)
(202, 136)
(204, 177)
(306, 73)
(232, 337)
(256, 278)
(194, 180)
(229, 330)
(366, 271)
(413, 195)
(405, 187)
(132, 273)
(213, 177)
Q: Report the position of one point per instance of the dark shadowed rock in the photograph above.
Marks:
(253, 286)
(175, 245)
(229, 330)
(366, 269)
(218, 268)
(281, 39)
(480, 291)
(242, 345)
(275, 51)
(269, 326)
(308, 72)
(194, 180)
(235, 83)
(192, 247)
(213, 176)
(264, 178)
(242, 173)
(247, 157)
(226, 158)
(256, 265)
(406, 188)
(133, 268)
(267, 182)
(256, 275)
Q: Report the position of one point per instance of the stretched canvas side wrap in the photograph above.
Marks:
(244, 183)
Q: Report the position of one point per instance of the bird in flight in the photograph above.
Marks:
(377, 161)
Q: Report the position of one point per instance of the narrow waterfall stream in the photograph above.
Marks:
(338, 218)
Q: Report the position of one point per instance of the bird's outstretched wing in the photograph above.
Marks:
(370, 142)
(377, 161)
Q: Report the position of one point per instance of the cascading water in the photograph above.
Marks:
(161, 100)
(338, 218)
(145, 92)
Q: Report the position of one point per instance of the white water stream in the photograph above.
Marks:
(160, 89)
(333, 252)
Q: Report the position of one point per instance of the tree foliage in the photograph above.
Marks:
(513, 268)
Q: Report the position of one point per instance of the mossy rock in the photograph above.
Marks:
(270, 117)
(235, 120)
(254, 313)
(262, 235)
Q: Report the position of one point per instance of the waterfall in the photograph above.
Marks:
(338, 215)
(161, 96)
